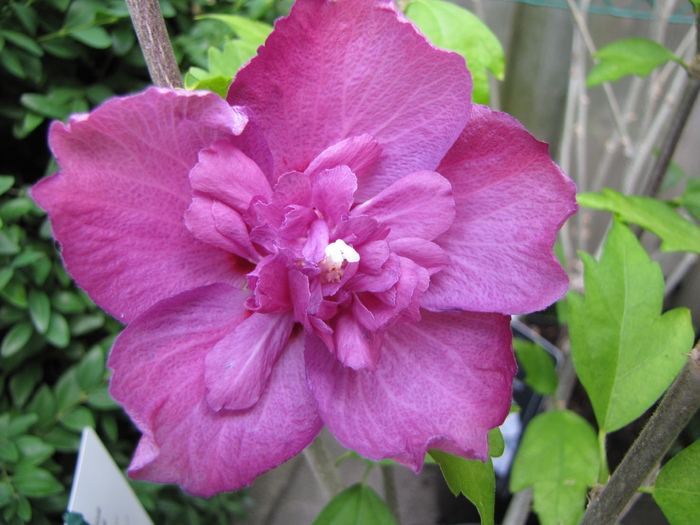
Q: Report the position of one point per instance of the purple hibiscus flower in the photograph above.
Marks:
(340, 243)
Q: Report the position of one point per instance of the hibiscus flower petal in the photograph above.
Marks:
(357, 153)
(159, 363)
(117, 206)
(352, 67)
(417, 205)
(238, 367)
(226, 174)
(442, 382)
(511, 199)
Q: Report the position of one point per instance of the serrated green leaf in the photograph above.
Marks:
(78, 418)
(677, 487)
(677, 233)
(624, 351)
(226, 63)
(35, 482)
(473, 478)
(39, 307)
(218, 85)
(540, 372)
(58, 333)
(33, 449)
(452, 27)
(16, 338)
(631, 56)
(248, 30)
(690, 199)
(558, 457)
(357, 505)
(6, 182)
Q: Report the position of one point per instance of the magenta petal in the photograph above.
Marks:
(357, 153)
(238, 367)
(332, 193)
(225, 174)
(355, 345)
(158, 364)
(417, 205)
(117, 206)
(443, 382)
(424, 253)
(377, 75)
(218, 225)
(270, 285)
(511, 199)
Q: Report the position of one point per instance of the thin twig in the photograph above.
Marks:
(673, 413)
(155, 43)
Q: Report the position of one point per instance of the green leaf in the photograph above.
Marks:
(95, 37)
(8, 246)
(677, 487)
(64, 440)
(24, 509)
(497, 444)
(101, 399)
(67, 302)
(84, 324)
(454, 28)
(58, 333)
(91, 368)
(11, 61)
(68, 391)
(78, 418)
(677, 233)
(5, 276)
(6, 182)
(249, 30)
(226, 63)
(624, 351)
(473, 478)
(631, 56)
(16, 338)
(218, 85)
(20, 424)
(357, 505)
(34, 450)
(23, 41)
(690, 199)
(5, 493)
(44, 406)
(9, 452)
(540, 372)
(39, 310)
(15, 208)
(558, 457)
(35, 482)
(23, 383)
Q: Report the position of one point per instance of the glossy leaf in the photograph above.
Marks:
(558, 457)
(452, 27)
(58, 333)
(624, 351)
(16, 338)
(357, 505)
(35, 482)
(33, 449)
(631, 56)
(540, 372)
(677, 487)
(78, 418)
(39, 310)
(91, 369)
(677, 233)
(473, 478)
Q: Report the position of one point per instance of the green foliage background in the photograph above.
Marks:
(59, 57)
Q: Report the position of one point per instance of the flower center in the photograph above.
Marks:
(338, 255)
